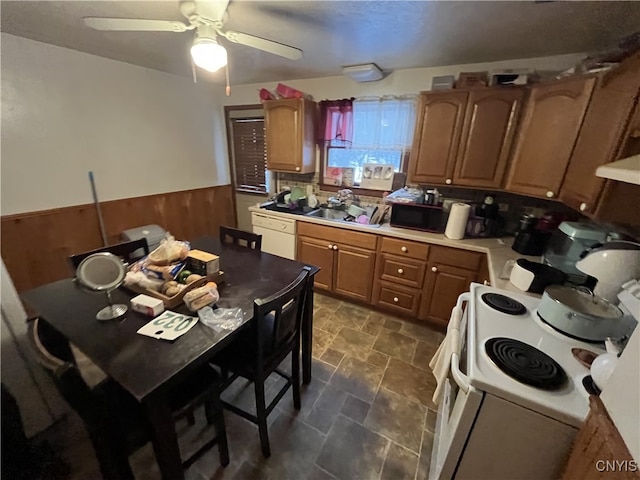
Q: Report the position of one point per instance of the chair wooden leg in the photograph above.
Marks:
(191, 418)
(261, 414)
(215, 415)
(295, 377)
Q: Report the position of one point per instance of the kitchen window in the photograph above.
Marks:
(376, 131)
(247, 151)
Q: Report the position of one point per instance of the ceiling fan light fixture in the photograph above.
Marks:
(208, 54)
(368, 72)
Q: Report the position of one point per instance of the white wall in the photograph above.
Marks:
(399, 82)
(65, 113)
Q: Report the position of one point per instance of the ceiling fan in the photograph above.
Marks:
(206, 19)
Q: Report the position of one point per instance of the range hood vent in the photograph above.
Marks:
(625, 170)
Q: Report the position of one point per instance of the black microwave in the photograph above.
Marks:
(428, 218)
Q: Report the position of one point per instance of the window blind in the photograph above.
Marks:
(249, 154)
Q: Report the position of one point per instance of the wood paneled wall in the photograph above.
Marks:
(36, 245)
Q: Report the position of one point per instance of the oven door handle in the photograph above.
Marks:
(460, 378)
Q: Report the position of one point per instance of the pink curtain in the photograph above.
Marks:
(336, 121)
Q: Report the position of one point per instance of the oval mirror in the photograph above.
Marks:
(103, 272)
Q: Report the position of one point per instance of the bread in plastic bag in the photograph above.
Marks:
(201, 297)
(169, 252)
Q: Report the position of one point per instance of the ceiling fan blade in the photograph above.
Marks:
(137, 25)
(264, 44)
(213, 9)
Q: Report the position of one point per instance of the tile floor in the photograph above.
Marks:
(367, 413)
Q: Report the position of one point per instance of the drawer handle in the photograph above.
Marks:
(400, 271)
(404, 249)
(335, 247)
(434, 269)
(330, 247)
(396, 299)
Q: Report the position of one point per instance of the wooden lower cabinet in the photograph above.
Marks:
(316, 252)
(401, 299)
(354, 272)
(444, 284)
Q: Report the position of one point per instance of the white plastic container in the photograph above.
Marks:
(147, 305)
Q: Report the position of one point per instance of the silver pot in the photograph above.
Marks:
(580, 314)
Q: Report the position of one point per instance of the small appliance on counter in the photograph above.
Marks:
(612, 265)
(534, 233)
(534, 277)
(567, 244)
(428, 218)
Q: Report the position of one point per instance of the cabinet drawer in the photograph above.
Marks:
(401, 270)
(455, 257)
(395, 297)
(404, 248)
(338, 235)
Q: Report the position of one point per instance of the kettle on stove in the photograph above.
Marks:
(611, 264)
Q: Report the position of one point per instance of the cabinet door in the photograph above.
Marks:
(548, 131)
(354, 269)
(435, 142)
(487, 135)
(283, 131)
(317, 252)
(600, 138)
(444, 285)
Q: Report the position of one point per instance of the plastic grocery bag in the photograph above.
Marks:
(221, 318)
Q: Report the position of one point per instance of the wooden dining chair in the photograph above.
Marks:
(126, 251)
(275, 333)
(115, 420)
(240, 237)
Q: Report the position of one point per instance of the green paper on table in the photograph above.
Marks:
(168, 326)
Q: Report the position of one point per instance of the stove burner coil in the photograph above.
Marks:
(525, 363)
(504, 304)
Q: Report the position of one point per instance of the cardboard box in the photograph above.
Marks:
(147, 305)
(472, 79)
(203, 263)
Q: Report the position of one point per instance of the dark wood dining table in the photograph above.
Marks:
(148, 368)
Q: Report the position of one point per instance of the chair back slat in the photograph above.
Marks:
(240, 237)
(122, 250)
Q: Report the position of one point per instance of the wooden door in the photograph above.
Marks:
(601, 136)
(444, 284)
(436, 138)
(487, 135)
(283, 130)
(317, 252)
(354, 269)
(552, 119)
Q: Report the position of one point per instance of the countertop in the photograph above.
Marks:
(498, 250)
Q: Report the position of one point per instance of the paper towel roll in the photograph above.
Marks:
(457, 223)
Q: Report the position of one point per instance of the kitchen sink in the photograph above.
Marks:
(335, 216)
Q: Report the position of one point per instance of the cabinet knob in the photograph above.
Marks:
(335, 247)
(400, 271)
(297, 169)
(404, 249)
(486, 282)
(284, 227)
(448, 181)
(583, 207)
(396, 299)
(434, 269)
(550, 194)
(330, 247)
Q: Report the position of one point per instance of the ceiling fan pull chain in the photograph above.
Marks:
(227, 90)
(194, 72)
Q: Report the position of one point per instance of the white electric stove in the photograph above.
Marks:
(515, 397)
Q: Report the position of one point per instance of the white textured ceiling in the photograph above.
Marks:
(393, 34)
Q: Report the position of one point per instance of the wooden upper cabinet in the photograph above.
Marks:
(290, 135)
(487, 135)
(550, 124)
(436, 138)
(602, 136)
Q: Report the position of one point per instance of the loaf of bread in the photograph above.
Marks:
(201, 297)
